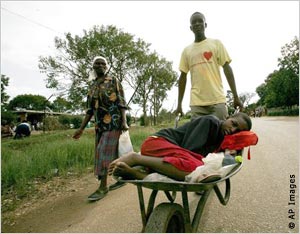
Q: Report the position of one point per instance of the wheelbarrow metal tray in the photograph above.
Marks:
(180, 185)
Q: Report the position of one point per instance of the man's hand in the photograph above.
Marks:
(238, 103)
(179, 111)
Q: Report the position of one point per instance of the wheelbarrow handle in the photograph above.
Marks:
(237, 110)
(177, 120)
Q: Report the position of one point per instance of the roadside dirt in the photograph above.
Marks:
(59, 204)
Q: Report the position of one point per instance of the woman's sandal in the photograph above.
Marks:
(99, 194)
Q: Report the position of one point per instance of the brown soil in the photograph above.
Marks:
(56, 206)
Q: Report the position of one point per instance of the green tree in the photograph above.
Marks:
(28, 101)
(129, 58)
(154, 78)
(69, 70)
(162, 79)
(60, 104)
(7, 117)
(4, 95)
(261, 92)
(281, 87)
(290, 57)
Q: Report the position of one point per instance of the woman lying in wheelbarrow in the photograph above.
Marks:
(176, 152)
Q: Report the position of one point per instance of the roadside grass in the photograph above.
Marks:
(27, 162)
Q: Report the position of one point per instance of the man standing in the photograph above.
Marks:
(203, 59)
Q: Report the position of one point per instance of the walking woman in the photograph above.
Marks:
(106, 102)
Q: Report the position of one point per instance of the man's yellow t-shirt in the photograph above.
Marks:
(203, 59)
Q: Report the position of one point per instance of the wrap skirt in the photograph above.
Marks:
(106, 150)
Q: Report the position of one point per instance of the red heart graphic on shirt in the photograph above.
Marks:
(207, 55)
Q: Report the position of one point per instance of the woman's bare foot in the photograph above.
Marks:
(129, 159)
(126, 172)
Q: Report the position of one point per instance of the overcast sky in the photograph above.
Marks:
(253, 32)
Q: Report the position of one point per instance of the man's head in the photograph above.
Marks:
(198, 23)
(236, 123)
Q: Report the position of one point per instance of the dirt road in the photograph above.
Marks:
(260, 195)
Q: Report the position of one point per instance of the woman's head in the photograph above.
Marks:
(100, 65)
(96, 64)
(236, 123)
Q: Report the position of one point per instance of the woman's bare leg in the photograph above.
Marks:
(154, 163)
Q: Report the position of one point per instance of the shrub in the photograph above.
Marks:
(65, 121)
(286, 112)
(76, 121)
(52, 123)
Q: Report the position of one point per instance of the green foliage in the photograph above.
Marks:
(129, 58)
(286, 112)
(290, 56)
(67, 120)
(74, 61)
(156, 78)
(261, 91)
(8, 117)
(142, 120)
(52, 123)
(4, 95)
(61, 105)
(281, 88)
(41, 157)
(23, 161)
(28, 101)
(76, 121)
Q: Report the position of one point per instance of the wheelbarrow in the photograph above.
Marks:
(171, 217)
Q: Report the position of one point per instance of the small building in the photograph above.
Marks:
(34, 116)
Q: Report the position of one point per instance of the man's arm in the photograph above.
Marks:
(230, 79)
(181, 90)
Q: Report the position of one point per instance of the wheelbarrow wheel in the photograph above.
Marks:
(166, 218)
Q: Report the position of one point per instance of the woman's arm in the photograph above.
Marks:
(79, 131)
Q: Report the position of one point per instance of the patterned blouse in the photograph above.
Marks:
(105, 100)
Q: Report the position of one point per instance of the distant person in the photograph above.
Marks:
(34, 125)
(6, 130)
(106, 102)
(22, 130)
(203, 59)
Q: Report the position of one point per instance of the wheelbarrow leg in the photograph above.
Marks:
(186, 211)
(199, 210)
(142, 205)
(145, 214)
(223, 199)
